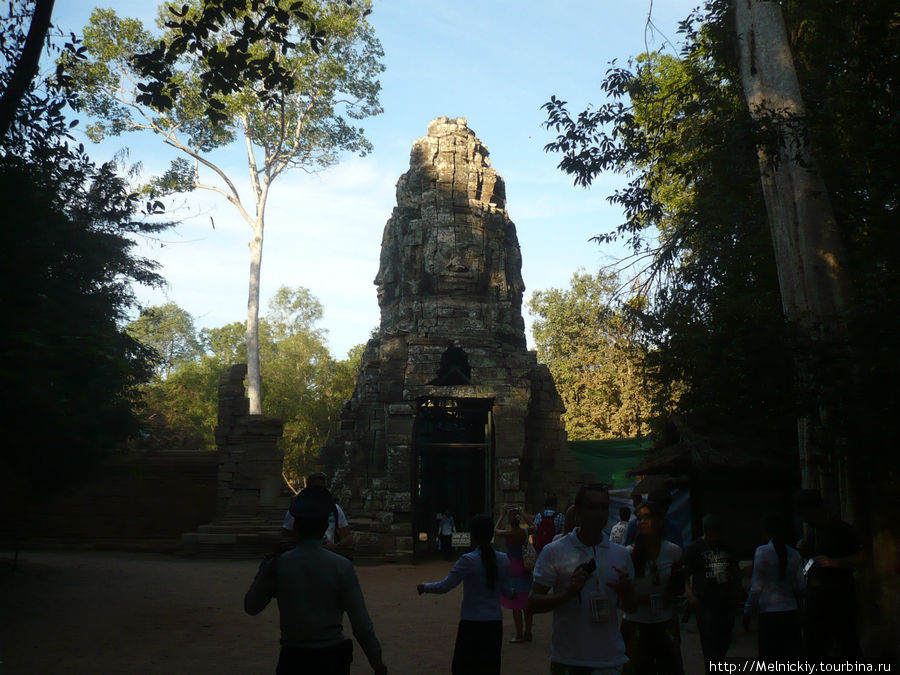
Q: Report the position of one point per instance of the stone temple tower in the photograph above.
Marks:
(450, 411)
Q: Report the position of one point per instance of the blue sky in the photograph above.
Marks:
(494, 62)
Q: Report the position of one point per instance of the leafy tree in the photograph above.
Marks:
(67, 266)
(718, 305)
(226, 344)
(850, 128)
(696, 220)
(293, 101)
(302, 383)
(169, 331)
(595, 352)
(22, 59)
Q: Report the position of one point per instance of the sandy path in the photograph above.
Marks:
(86, 612)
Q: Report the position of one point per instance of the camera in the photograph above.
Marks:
(588, 567)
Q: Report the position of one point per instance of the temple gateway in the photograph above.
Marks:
(450, 411)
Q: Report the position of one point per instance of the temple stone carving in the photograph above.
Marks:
(451, 411)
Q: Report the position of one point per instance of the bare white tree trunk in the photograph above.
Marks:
(809, 256)
(253, 377)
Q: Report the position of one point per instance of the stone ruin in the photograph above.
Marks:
(451, 410)
(251, 496)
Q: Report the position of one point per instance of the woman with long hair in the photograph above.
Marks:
(484, 574)
(776, 583)
(652, 644)
(516, 537)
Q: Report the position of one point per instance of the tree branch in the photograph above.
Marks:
(27, 66)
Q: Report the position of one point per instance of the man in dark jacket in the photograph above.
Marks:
(314, 588)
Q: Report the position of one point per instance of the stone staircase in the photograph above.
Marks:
(234, 539)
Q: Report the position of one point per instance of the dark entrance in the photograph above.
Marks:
(453, 445)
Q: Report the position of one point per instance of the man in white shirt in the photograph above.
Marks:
(582, 578)
(338, 531)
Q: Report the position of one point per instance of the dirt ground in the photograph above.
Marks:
(100, 612)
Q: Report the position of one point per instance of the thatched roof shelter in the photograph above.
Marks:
(738, 476)
(683, 452)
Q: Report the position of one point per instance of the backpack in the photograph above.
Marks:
(545, 532)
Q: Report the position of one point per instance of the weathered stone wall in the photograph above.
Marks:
(138, 500)
(449, 279)
(251, 496)
(250, 461)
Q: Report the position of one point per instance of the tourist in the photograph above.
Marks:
(582, 578)
(446, 528)
(713, 587)
(671, 531)
(570, 520)
(617, 533)
(338, 530)
(484, 574)
(520, 578)
(776, 583)
(835, 549)
(553, 524)
(652, 643)
(314, 588)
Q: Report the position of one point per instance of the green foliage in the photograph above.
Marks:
(694, 214)
(302, 383)
(69, 369)
(206, 79)
(595, 352)
(257, 32)
(679, 129)
(169, 331)
(291, 81)
(179, 177)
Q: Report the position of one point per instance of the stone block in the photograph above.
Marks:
(398, 459)
(508, 473)
(402, 529)
(399, 425)
(399, 501)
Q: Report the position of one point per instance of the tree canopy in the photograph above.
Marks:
(67, 264)
(302, 383)
(698, 159)
(695, 219)
(289, 79)
(596, 353)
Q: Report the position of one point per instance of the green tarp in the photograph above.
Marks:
(609, 460)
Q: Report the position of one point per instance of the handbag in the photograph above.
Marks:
(529, 555)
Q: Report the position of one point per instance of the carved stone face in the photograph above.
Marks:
(386, 279)
(454, 260)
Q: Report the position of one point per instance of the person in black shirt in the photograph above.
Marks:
(834, 547)
(712, 588)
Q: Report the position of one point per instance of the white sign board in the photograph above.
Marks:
(462, 540)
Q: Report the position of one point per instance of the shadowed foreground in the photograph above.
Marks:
(91, 612)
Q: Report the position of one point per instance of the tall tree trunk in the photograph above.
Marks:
(814, 285)
(809, 256)
(27, 66)
(253, 377)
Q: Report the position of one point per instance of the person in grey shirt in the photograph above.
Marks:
(314, 588)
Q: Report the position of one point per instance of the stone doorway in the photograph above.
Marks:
(453, 445)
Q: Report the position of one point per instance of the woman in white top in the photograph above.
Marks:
(484, 574)
(652, 644)
(777, 581)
